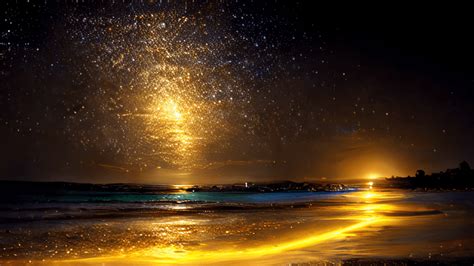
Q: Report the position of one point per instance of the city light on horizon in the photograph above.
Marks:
(373, 176)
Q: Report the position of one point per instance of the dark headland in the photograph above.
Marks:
(461, 178)
(284, 186)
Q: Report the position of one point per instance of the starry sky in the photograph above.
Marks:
(231, 91)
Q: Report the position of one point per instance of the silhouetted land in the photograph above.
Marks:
(271, 187)
(403, 262)
(461, 178)
(18, 188)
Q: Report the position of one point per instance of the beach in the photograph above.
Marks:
(237, 228)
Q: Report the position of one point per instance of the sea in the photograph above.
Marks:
(135, 227)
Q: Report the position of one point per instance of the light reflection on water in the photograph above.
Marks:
(390, 223)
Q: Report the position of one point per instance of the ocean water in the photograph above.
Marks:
(224, 197)
(78, 204)
(117, 228)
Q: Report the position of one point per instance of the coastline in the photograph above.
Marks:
(359, 227)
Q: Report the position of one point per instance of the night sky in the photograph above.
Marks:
(231, 91)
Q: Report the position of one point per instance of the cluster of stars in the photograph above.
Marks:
(187, 86)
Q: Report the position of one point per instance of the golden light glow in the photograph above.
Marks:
(180, 94)
(365, 215)
(370, 184)
(369, 195)
(175, 255)
(170, 110)
(169, 123)
(373, 176)
(179, 256)
(183, 187)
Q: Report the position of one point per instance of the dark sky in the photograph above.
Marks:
(199, 92)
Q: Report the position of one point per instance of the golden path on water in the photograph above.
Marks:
(367, 214)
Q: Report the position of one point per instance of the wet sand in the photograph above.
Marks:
(372, 225)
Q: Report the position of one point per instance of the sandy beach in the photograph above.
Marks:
(251, 228)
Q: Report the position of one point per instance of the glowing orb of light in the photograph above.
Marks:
(373, 176)
(171, 111)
